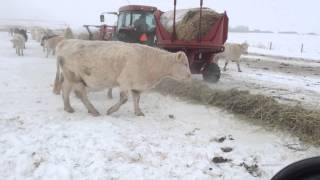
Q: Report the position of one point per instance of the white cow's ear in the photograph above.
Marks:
(179, 56)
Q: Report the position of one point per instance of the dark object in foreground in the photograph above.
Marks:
(226, 149)
(307, 169)
(171, 116)
(219, 159)
(252, 169)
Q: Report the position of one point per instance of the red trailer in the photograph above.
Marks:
(200, 51)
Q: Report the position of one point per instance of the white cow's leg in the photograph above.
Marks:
(58, 83)
(110, 93)
(48, 52)
(123, 100)
(238, 65)
(81, 91)
(66, 89)
(22, 51)
(136, 100)
(225, 65)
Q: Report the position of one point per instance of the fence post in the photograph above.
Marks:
(301, 50)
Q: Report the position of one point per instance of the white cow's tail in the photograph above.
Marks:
(59, 77)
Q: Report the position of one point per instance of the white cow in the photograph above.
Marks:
(68, 34)
(50, 44)
(233, 53)
(18, 42)
(106, 64)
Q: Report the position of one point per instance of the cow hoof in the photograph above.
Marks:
(110, 111)
(239, 71)
(56, 92)
(95, 113)
(139, 113)
(69, 110)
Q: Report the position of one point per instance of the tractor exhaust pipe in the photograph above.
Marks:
(174, 35)
(199, 33)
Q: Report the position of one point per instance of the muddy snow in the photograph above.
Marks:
(175, 140)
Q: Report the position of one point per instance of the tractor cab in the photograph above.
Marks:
(136, 24)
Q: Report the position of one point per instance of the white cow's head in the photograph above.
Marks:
(244, 48)
(180, 69)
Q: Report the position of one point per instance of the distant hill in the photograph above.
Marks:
(261, 31)
(288, 32)
(312, 34)
(245, 29)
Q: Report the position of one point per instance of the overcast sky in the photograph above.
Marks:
(275, 15)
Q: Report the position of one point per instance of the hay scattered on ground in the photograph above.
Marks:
(188, 27)
(299, 121)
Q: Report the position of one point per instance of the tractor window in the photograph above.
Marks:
(124, 20)
(137, 18)
(144, 18)
(150, 21)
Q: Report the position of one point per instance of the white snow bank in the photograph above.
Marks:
(287, 45)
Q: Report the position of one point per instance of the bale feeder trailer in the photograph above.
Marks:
(200, 51)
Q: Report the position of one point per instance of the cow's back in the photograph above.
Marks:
(232, 51)
(104, 63)
(97, 63)
(54, 41)
(19, 40)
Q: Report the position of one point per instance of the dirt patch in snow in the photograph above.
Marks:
(301, 122)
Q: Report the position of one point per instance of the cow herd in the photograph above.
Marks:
(133, 68)
(47, 38)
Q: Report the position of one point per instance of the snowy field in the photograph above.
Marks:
(175, 140)
(288, 80)
(287, 45)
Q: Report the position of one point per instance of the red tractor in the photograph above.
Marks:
(106, 32)
(200, 51)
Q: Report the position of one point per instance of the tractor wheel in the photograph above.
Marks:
(212, 73)
(307, 169)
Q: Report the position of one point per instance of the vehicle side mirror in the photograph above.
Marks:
(101, 18)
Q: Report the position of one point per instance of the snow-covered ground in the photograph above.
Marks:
(287, 45)
(175, 140)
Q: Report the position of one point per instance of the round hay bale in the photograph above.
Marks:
(187, 22)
